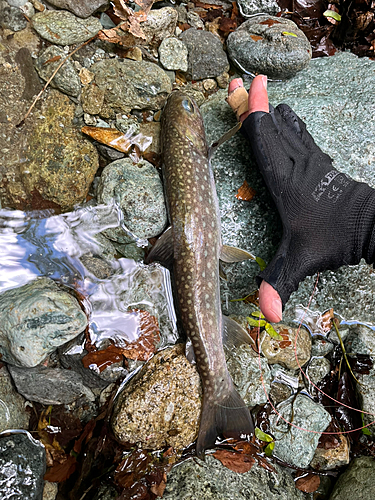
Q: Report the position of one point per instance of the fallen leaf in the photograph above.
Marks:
(237, 462)
(270, 22)
(309, 483)
(104, 357)
(149, 336)
(245, 192)
(109, 136)
(60, 472)
(256, 37)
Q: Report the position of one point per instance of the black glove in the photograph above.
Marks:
(328, 218)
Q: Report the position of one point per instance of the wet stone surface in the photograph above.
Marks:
(12, 405)
(357, 481)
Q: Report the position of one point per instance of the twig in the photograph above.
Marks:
(51, 78)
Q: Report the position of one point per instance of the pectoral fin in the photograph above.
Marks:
(234, 254)
(233, 334)
(162, 251)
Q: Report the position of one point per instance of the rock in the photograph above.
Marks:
(251, 380)
(320, 346)
(361, 340)
(50, 490)
(366, 395)
(357, 481)
(26, 66)
(12, 407)
(284, 352)
(50, 386)
(291, 444)
(63, 28)
(36, 318)
(11, 17)
(195, 479)
(139, 192)
(92, 99)
(332, 458)
(83, 8)
(195, 21)
(131, 85)
(66, 79)
(16, 3)
(207, 58)
(316, 370)
(250, 7)
(22, 467)
(173, 54)
(161, 405)
(270, 45)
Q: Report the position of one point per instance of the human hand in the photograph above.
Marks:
(328, 218)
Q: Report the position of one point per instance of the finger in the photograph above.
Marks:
(258, 97)
(234, 84)
(270, 302)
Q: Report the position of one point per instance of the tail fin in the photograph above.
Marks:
(229, 417)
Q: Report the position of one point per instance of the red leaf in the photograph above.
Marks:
(309, 483)
(237, 462)
(60, 472)
(245, 192)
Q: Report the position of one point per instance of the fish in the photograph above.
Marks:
(192, 247)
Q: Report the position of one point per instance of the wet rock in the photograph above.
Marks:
(22, 467)
(12, 405)
(66, 79)
(270, 45)
(63, 28)
(194, 20)
(50, 386)
(83, 8)
(316, 370)
(211, 480)
(284, 351)
(366, 395)
(250, 7)
(139, 192)
(357, 481)
(291, 444)
(251, 380)
(173, 54)
(61, 163)
(50, 490)
(361, 340)
(331, 458)
(151, 130)
(161, 405)
(207, 58)
(12, 17)
(131, 85)
(36, 318)
(279, 392)
(320, 346)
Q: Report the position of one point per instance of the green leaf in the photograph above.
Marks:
(262, 436)
(269, 449)
(288, 33)
(272, 332)
(257, 314)
(261, 263)
(256, 322)
(334, 15)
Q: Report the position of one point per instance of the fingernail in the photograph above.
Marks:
(264, 81)
(277, 308)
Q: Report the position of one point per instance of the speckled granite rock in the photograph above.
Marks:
(161, 405)
(11, 17)
(60, 27)
(139, 193)
(37, 318)
(341, 119)
(83, 8)
(195, 479)
(22, 467)
(250, 7)
(357, 481)
(12, 405)
(173, 54)
(270, 45)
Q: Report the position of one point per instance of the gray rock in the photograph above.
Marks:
(251, 7)
(50, 490)
(139, 192)
(366, 395)
(12, 17)
(194, 20)
(207, 58)
(251, 380)
(26, 65)
(316, 370)
(63, 28)
(50, 386)
(160, 24)
(341, 118)
(295, 341)
(22, 467)
(291, 444)
(66, 79)
(83, 8)
(37, 318)
(210, 480)
(361, 340)
(12, 405)
(173, 54)
(357, 481)
(16, 3)
(161, 405)
(270, 45)
(332, 458)
(131, 85)
(320, 346)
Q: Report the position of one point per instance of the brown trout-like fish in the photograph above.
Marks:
(194, 245)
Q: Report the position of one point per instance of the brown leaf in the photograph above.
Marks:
(309, 483)
(60, 472)
(245, 192)
(270, 22)
(149, 336)
(227, 25)
(237, 462)
(103, 358)
(121, 10)
(256, 37)
(109, 136)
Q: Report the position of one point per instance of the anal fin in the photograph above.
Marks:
(163, 250)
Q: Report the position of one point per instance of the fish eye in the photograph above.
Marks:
(188, 105)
